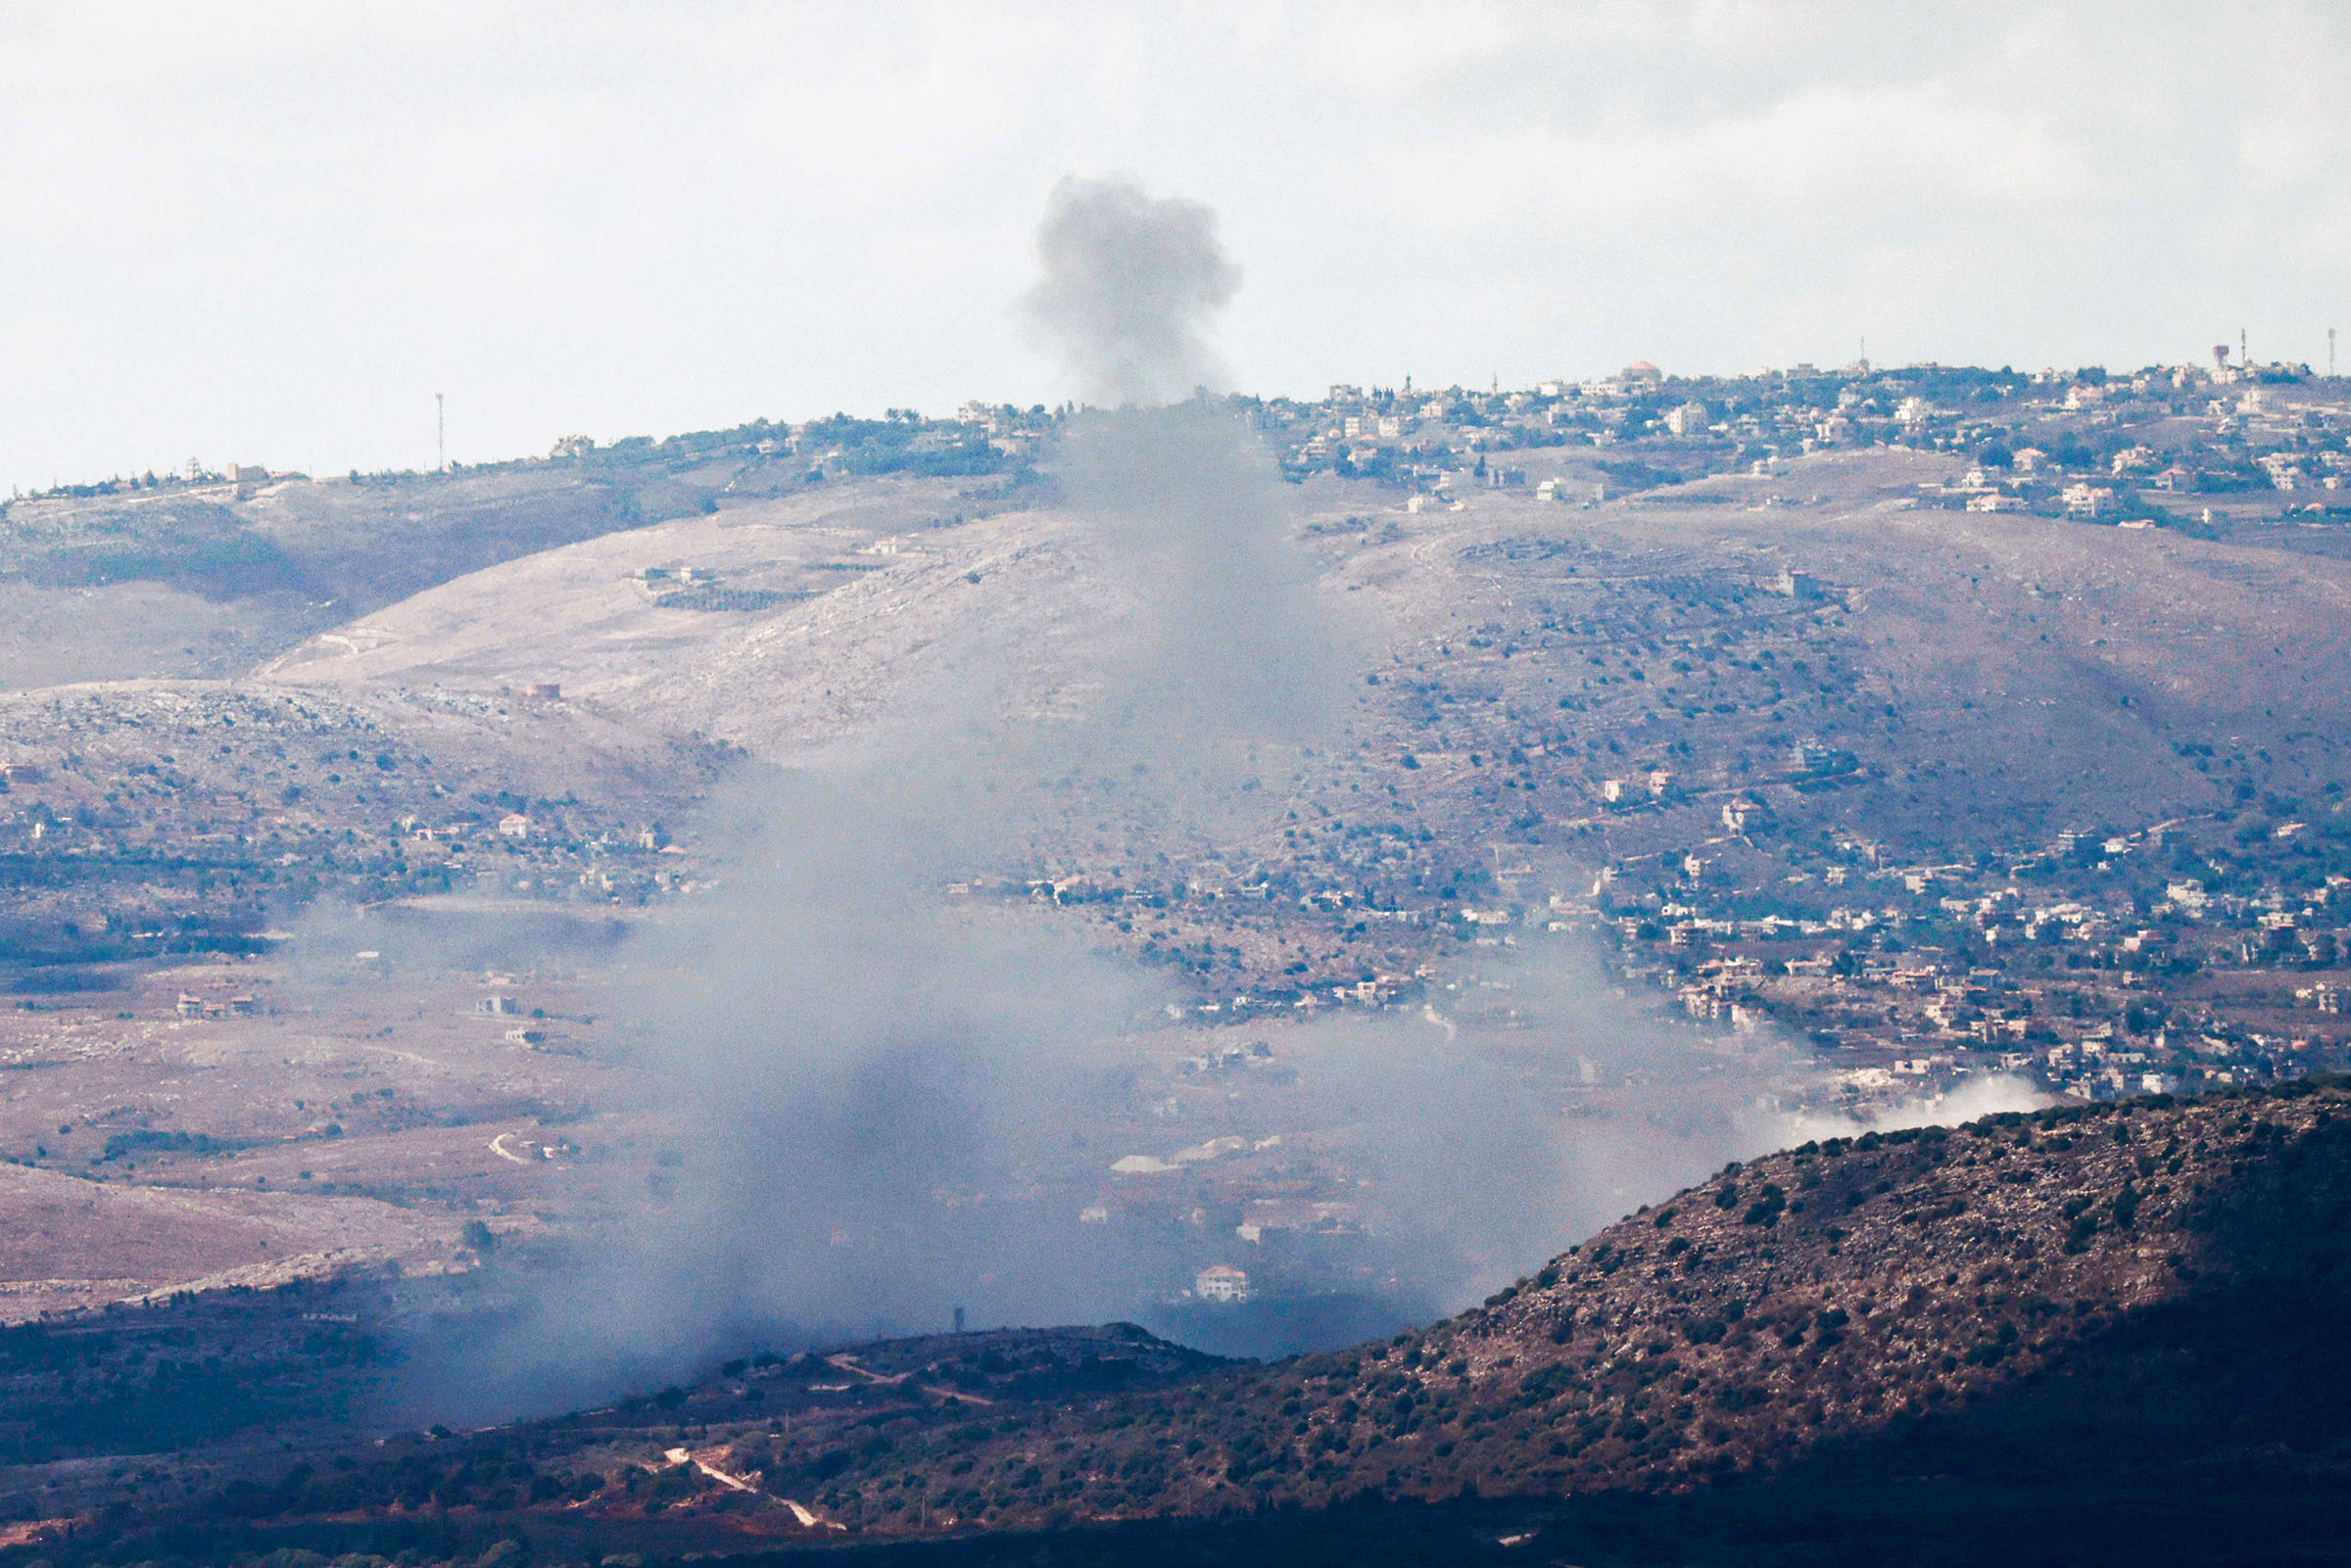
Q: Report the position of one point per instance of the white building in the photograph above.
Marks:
(2082, 500)
(1221, 1282)
(1689, 420)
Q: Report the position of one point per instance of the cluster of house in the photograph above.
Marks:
(506, 1005)
(1446, 441)
(2062, 986)
(193, 1007)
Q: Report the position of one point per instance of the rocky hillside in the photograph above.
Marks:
(1838, 1292)
(2140, 1295)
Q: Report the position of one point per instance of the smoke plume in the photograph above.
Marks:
(1130, 282)
(883, 1094)
(891, 1071)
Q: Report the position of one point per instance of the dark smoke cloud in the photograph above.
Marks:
(1130, 283)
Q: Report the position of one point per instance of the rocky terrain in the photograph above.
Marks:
(1815, 1298)
(2123, 1300)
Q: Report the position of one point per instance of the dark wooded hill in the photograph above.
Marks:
(2020, 1325)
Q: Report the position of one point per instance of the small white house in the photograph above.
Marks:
(1221, 1282)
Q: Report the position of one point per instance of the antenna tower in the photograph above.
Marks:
(441, 431)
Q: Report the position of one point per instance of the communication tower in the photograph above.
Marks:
(441, 431)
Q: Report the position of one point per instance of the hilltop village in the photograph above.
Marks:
(2112, 957)
(2161, 445)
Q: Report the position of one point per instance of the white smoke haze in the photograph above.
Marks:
(1130, 282)
(876, 1097)
(871, 1076)
(1969, 1101)
(884, 1097)
(1231, 638)
(328, 943)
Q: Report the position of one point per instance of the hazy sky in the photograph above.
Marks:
(270, 232)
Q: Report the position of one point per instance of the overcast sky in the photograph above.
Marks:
(269, 232)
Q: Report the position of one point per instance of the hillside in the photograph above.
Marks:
(2125, 1299)
(1676, 777)
(1819, 1298)
(1854, 800)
